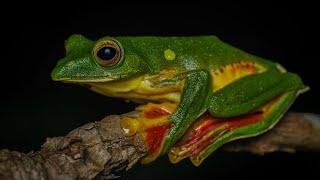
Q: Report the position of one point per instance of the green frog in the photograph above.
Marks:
(201, 74)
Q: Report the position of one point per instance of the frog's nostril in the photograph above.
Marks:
(56, 74)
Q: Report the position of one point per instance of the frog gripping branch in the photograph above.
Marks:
(199, 92)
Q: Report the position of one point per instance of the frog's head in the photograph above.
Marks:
(108, 66)
(104, 60)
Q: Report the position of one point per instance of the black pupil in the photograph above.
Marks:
(106, 53)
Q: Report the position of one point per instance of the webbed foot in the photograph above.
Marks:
(207, 134)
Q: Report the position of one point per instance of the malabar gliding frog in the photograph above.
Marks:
(201, 74)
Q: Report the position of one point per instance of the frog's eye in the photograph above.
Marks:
(107, 53)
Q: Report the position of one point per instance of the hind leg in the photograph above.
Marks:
(247, 107)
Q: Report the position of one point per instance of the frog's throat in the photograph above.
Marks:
(153, 124)
(147, 87)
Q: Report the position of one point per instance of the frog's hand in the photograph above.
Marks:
(191, 106)
(257, 109)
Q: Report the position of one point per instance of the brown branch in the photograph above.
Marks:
(295, 131)
(101, 150)
(95, 148)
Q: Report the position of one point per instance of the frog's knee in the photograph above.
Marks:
(214, 106)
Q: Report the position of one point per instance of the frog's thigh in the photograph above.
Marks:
(250, 92)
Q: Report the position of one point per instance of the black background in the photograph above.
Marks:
(34, 107)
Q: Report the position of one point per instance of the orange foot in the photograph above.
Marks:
(153, 124)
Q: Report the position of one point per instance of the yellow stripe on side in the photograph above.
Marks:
(231, 72)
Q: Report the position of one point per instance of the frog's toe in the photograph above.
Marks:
(206, 135)
(151, 121)
(198, 138)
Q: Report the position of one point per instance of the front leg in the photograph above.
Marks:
(191, 106)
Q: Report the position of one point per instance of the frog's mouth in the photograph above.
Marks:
(154, 88)
(79, 80)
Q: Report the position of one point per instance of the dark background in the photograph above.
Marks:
(34, 107)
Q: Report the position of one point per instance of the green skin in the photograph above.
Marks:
(195, 57)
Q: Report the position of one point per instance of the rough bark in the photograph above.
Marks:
(100, 150)
(97, 148)
(295, 131)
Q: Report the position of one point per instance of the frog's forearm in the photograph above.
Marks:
(192, 105)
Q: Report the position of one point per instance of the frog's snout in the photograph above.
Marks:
(66, 70)
(57, 73)
(79, 70)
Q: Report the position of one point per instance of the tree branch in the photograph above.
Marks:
(92, 149)
(101, 150)
(295, 131)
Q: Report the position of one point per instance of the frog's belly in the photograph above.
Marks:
(139, 89)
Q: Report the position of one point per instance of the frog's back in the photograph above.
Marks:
(193, 52)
